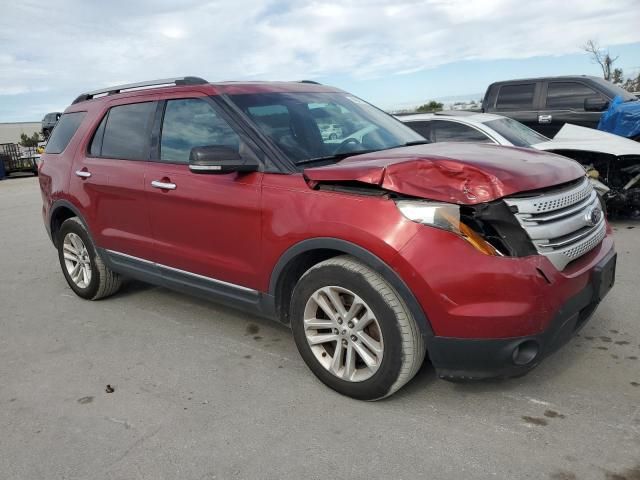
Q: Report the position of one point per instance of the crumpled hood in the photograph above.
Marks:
(453, 172)
(574, 137)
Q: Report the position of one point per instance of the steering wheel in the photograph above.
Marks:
(344, 143)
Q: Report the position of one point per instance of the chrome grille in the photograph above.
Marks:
(559, 222)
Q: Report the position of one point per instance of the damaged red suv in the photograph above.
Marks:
(375, 247)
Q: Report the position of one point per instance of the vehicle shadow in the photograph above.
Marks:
(133, 287)
(18, 175)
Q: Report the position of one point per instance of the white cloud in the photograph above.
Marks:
(76, 45)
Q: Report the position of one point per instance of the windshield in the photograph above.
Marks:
(616, 91)
(311, 127)
(518, 134)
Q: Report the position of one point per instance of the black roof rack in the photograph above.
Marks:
(310, 81)
(132, 86)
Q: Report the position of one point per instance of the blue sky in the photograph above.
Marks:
(396, 54)
(470, 78)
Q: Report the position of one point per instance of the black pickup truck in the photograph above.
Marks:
(546, 104)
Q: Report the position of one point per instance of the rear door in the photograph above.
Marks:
(108, 178)
(563, 102)
(206, 226)
(519, 101)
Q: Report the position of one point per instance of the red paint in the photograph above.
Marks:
(236, 227)
(453, 172)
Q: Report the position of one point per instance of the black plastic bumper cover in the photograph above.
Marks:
(470, 359)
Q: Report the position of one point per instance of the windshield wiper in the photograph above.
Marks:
(340, 156)
(337, 156)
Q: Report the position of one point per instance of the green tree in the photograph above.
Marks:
(29, 141)
(432, 106)
(632, 84)
(617, 77)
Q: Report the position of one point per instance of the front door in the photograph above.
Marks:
(203, 224)
(564, 103)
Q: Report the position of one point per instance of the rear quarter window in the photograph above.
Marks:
(64, 131)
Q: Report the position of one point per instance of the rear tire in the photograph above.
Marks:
(82, 266)
(354, 331)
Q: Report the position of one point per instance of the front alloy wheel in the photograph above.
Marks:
(353, 329)
(343, 333)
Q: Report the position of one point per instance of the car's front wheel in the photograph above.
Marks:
(84, 270)
(354, 331)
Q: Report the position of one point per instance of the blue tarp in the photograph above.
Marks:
(621, 118)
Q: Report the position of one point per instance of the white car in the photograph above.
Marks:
(612, 162)
(330, 132)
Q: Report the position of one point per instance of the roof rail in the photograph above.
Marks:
(139, 85)
(310, 81)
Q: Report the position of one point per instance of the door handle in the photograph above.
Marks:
(545, 118)
(163, 185)
(83, 173)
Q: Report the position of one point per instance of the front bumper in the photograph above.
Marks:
(465, 358)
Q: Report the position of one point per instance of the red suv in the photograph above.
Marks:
(374, 247)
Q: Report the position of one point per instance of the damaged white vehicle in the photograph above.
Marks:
(612, 162)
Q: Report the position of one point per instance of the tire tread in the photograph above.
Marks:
(413, 344)
(109, 281)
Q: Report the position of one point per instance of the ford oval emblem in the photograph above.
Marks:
(593, 216)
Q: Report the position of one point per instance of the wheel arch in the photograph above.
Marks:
(62, 210)
(300, 257)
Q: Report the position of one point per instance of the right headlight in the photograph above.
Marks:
(445, 216)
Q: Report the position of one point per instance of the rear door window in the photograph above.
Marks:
(127, 132)
(569, 95)
(443, 131)
(64, 131)
(514, 97)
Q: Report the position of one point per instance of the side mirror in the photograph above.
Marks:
(218, 159)
(592, 104)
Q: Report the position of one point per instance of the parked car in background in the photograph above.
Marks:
(48, 122)
(546, 104)
(611, 161)
(330, 131)
(375, 250)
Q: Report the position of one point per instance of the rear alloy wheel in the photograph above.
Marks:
(354, 331)
(84, 270)
(76, 260)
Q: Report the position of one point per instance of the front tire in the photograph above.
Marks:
(354, 331)
(84, 270)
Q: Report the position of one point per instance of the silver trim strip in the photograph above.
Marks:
(205, 167)
(572, 239)
(564, 213)
(184, 272)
